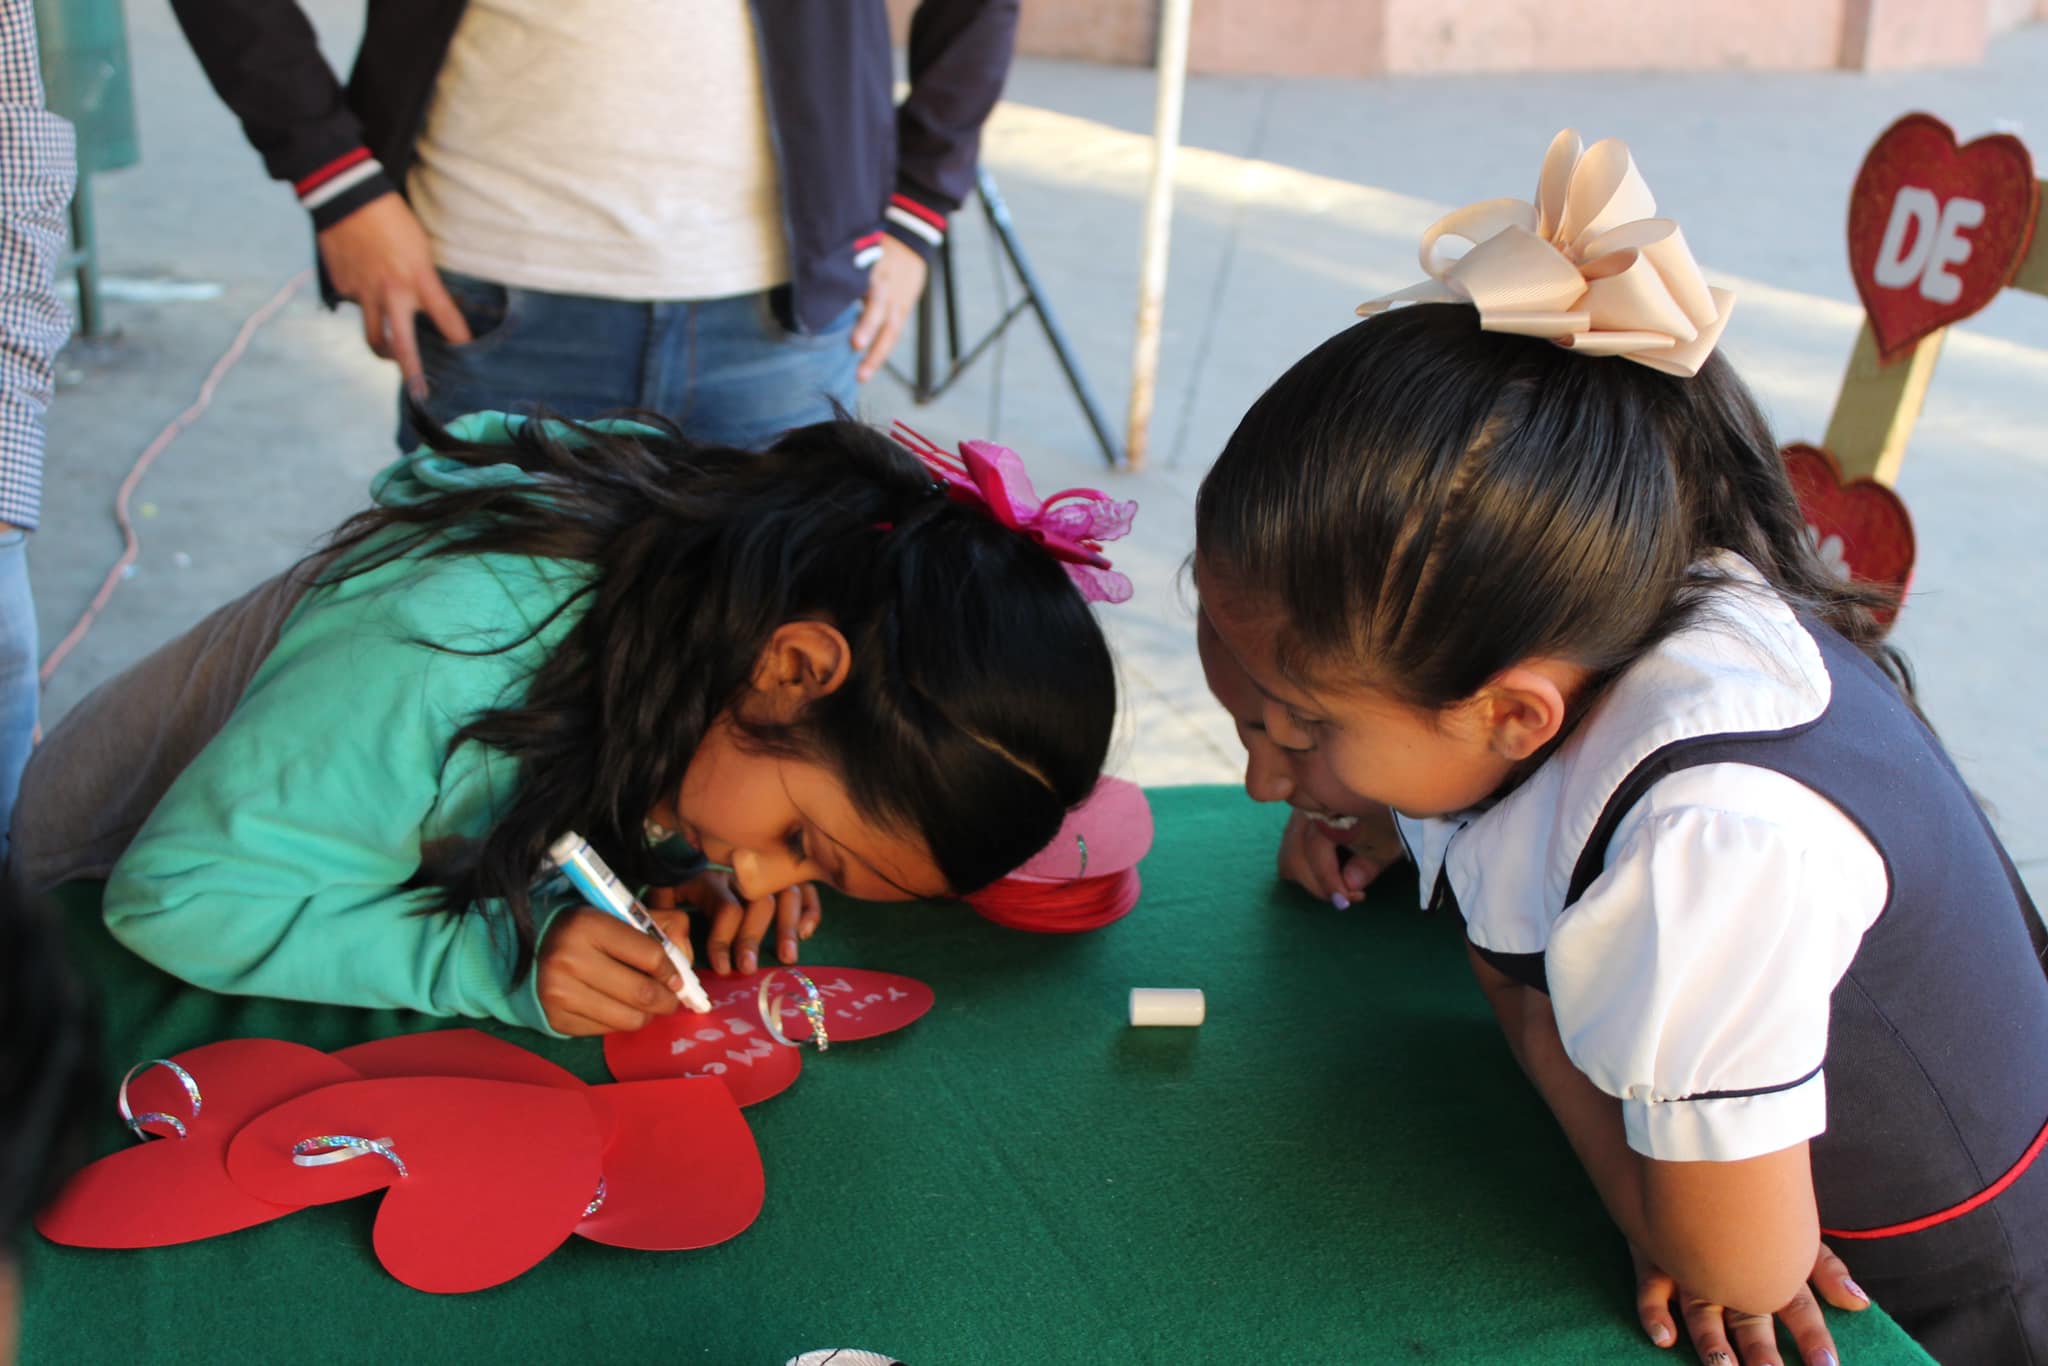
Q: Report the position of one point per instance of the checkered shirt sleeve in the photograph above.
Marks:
(38, 170)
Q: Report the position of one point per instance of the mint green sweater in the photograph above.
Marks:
(275, 864)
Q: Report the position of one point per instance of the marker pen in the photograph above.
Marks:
(602, 888)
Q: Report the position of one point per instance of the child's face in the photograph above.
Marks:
(777, 822)
(1330, 752)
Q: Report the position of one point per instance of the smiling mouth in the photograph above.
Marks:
(1331, 821)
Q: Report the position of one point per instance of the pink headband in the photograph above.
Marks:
(1071, 525)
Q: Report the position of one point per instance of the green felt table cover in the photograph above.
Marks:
(1341, 1165)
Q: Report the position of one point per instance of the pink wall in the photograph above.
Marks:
(1384, 37)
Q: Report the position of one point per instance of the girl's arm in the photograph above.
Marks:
(278, 863)
(1741, 1234)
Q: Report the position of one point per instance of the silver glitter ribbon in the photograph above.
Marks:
(812, 1005)
(343, 1148)
(135, 1121)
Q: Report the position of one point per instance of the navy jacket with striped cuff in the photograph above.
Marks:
(853, 168)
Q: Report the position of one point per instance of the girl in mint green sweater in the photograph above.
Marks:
(810, 664)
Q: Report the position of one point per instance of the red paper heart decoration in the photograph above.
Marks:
(177, 1190)
(682, 1171)
(729, 1043)
(456, 1053)
(1936, 230)
(1114, 825)
(498, 1174)
(1862, 523)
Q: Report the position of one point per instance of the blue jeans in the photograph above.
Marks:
(18, 683)
(726, 370)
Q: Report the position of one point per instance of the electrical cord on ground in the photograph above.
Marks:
(131, 543)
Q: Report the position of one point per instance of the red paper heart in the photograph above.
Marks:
(1115, 826)
(177, 1190)
(468, 1053)
(1935, 231)
(1867, 520)
(498, 1174)
(730, 1044)
(682, 1172)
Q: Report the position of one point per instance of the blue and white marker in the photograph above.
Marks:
(602, 888)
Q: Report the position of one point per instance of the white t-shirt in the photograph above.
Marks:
(1701, 961)
(613, 148)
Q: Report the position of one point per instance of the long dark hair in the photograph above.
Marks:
(1430, 503)
(981, 695)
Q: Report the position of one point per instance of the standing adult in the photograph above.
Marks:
(711, 209)
(38, 171)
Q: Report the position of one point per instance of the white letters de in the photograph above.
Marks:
(1936, 230)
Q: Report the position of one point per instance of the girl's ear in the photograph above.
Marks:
(802, 661)
(1524, 707)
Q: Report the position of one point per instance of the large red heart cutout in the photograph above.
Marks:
(1861, 527)
(176, 1190)
(1936, 230)
(730, 1044)
(682, 1170)
(497, 1174)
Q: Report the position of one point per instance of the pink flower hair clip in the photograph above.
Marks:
(1071, 525)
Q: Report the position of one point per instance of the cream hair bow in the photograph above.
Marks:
(1587, 265)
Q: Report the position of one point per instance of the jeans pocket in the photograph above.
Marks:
(488, 307)
(833, 334)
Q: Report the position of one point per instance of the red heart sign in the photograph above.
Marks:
(1936, 230)
(175, 1189)
(496, 1174)
(1862, 526)
(730, 1044)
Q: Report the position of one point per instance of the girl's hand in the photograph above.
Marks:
(596, 974)
(737, 929)
(1754, 1336)
(1311, 859)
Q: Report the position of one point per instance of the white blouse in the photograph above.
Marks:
(1692, 978)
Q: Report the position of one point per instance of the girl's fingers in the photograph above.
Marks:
(725, 923)
(629, 988)
(789, 911)
(1802, 1317)
(574, 1025)
(1709, 1333)
(1756, 1338)
(676, 925)
(814, 912)
(1831, 1278)
(1325, 867)
(754, 925)
(1654, 1291)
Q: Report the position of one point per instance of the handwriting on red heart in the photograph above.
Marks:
(1861, 525)
(1936, 230)
(730, 1044)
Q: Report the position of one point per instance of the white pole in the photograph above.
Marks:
(1172, 78)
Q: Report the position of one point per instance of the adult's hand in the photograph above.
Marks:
(379, 257)
(894, 285)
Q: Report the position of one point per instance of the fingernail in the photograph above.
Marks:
(1823, 1358)
(417, 387)
(1720, 1359)
(675, 983)
(806, 932)
(1855, 1289)
(1340, 901)
(788, 950)
(1354, 878)
(1661, 1334)
(748, 962)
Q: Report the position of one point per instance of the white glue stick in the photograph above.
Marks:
(1167, 1006)
(602, 888)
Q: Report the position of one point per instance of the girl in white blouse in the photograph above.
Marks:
(1554, 621)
